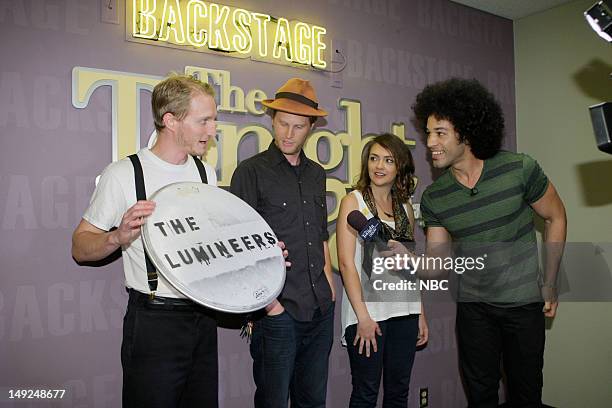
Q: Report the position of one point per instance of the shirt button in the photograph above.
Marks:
(313, 285)
(310, 244)
(312, 265)
(304, 201)
(307, 223)
(284, 204)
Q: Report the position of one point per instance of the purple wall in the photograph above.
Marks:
(60, 324)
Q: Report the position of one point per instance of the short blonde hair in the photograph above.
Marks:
(173, 95)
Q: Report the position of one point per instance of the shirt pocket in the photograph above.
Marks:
(280, 211)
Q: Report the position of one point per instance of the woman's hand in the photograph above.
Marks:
(367, 330)
(423, 330)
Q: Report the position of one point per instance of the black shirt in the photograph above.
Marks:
(292, 201)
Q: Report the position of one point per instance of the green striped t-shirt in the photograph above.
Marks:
(494, 218)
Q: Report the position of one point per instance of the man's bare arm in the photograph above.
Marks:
(90, 243)
(551, 209)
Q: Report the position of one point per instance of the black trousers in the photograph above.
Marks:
(393, 362)
(486, 335)
(169, 355)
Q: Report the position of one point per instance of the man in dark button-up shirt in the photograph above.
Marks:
(291, 344)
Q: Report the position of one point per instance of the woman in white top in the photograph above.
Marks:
(380, 329)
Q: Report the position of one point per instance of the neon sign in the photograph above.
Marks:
(210, 27)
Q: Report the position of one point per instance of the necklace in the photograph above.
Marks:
(384, 212)
(379, 206)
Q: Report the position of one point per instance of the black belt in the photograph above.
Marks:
(160, 301)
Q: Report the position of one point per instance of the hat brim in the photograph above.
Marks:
(291, 106)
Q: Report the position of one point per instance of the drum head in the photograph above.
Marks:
(214, 248)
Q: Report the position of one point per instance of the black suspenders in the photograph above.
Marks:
(141, 194)
(201, 169)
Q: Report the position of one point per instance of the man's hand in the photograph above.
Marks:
(550, 309)
(90, 243)
(281, 245)
(396, 248)
(132, 220)
(549, 294)
(274, 308)
(333, 292)
(327, 270)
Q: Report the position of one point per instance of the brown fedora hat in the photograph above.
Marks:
(296, 96)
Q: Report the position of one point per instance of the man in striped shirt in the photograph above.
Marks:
(484, 203)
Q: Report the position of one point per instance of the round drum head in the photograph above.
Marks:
(214, 248)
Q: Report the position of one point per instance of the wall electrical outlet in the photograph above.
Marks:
(423, 397)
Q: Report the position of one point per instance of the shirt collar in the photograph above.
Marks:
(276, 156)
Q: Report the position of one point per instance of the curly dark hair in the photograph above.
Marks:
(470, 107)
(404, 181)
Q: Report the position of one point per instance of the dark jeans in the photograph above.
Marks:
(487, 334)
(169, 355)
(290, 358)
(393, 361)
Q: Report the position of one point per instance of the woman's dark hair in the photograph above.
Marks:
(404, 182)
(470, 107)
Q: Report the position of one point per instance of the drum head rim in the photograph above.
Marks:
(187, 292)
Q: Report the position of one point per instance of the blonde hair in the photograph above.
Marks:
(173, 95)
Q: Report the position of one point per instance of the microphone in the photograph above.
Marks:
(473, 191)
(367, 229)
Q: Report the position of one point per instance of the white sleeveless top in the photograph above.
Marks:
(379, 310)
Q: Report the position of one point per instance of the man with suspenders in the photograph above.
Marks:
(169, 348)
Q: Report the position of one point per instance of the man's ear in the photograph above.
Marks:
(462, 139)
(314, 122)
(169, 120)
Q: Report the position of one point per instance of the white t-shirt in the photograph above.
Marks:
(378, 311)
(116, 193)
